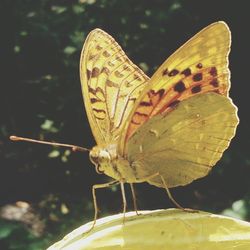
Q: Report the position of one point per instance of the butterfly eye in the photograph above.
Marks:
(104, 156)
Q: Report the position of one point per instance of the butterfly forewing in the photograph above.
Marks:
(199, 66)
(111, 83)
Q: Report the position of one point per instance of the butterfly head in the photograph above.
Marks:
(100, 158)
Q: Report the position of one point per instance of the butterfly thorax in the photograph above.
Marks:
(108, 161)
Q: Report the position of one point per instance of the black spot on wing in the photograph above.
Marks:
(165, 72)
(196, 89)
(197, 77)
(214, 83)
(179, 87)
(94, 100)
(145, 103)
(213, 71)
(173, 72)
(161, 92)
(199, 65)
(186, 72)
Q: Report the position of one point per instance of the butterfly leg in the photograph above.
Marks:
(124, 201)
(167, 190)
(190, 210)
(170, 195)
(134, 198)
(97, 186)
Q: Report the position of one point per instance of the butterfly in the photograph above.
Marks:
(167, 130)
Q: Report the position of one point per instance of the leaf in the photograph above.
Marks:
(170, 229)
(48, 125)
(6, 229)
(54, 153)
(69, 50)
(58, 9)
(238, 210)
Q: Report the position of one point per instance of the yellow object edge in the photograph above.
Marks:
(170, 229)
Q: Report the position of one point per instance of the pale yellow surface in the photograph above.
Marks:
(170, 229)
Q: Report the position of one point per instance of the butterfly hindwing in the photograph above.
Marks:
(184, 144)
(110, 83)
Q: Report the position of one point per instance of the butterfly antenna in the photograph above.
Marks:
(73, 147)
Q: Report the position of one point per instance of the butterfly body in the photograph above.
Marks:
(169, 129)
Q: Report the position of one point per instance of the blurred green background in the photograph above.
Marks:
(45, 192)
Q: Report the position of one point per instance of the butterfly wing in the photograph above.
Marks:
(199, 66)
(110, 84)
(184, 119)
(184, 144)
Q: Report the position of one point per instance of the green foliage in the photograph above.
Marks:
(15, 236)
(41, 98)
